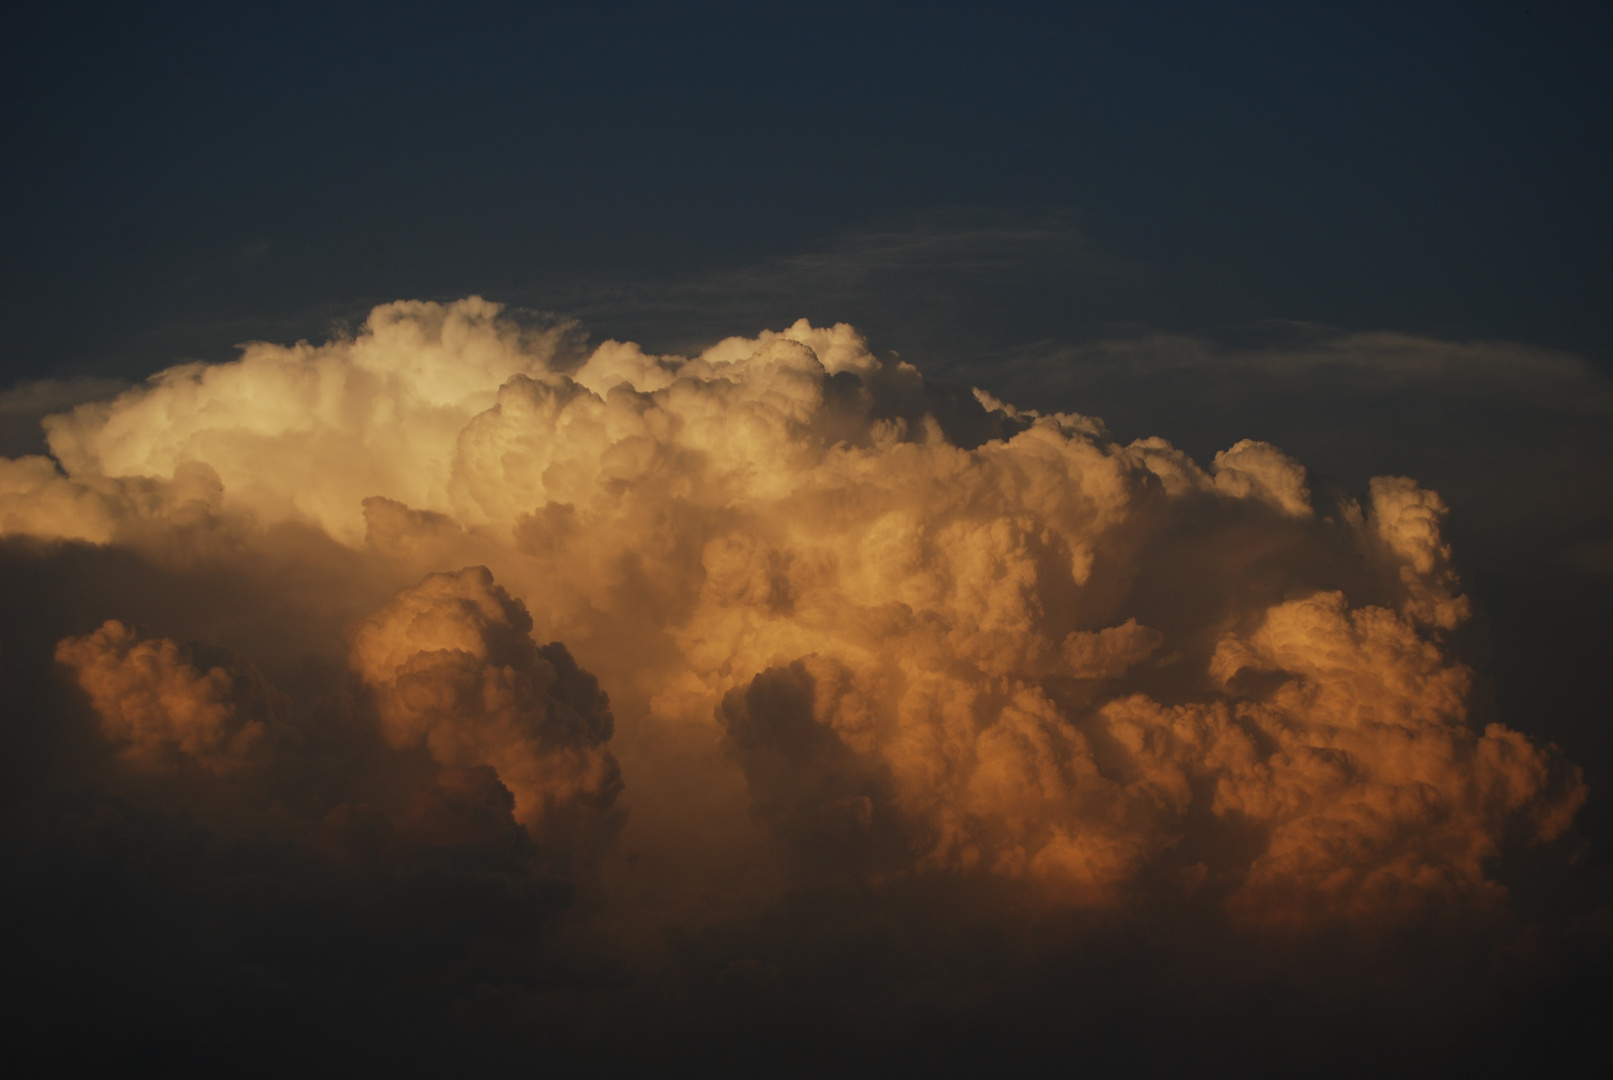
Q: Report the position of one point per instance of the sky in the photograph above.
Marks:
(775, 538)
(198, 177)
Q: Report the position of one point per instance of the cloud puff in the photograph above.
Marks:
(159, 706)
(375, 414)
(938, 636)
(454, 669)
(1376, 793)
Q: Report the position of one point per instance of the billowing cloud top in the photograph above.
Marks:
(996, 644)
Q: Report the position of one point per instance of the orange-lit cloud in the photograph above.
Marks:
(159, 707)
(1009, 647)
(454, 669)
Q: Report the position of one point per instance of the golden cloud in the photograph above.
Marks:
(1016, 649)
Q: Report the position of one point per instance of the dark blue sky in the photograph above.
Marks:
(179, 178)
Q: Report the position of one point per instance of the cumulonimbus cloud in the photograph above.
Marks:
(1006, 645)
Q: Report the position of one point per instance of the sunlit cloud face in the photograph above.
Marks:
(1008, 648)
(162, 710)
(453, 668)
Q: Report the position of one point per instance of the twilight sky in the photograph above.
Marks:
(197, 176)
(797, 538)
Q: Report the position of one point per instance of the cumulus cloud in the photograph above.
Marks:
(808, 629)
(1378, 795)
(976, 654)
(454, 669)
(23, 406)
(939, 652)
(1513, 434)
(377, 414)
(158, 707)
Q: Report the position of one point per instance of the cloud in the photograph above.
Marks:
(816, 628)
(1514, 435)
(933, 282)
(1378, 796)
(959, 648)
(23, 406)
(454, 669)
(156, 705)
(378, 414)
